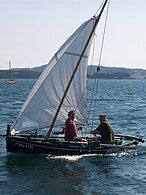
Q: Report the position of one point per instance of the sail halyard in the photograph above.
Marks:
(76, 67)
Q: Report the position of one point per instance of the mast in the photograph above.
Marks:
(9, 64)
(97, 18)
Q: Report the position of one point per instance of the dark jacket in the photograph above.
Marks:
(106, 132)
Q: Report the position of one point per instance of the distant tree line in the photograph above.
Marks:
(104, 73)
(117, 75)
(19, 74)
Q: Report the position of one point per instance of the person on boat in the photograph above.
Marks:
(71, 128)
(105, 131)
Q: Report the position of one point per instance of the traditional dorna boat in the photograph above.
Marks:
(61, 88)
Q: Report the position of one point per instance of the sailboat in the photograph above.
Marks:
(60, 89)
(10, 80)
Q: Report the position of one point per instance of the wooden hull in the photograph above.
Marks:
(53, 146)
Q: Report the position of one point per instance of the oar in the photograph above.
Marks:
(131, 137)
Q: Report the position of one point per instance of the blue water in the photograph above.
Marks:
(124, 102)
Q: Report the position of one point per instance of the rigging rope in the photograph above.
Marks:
(93, 102)
(104, 33)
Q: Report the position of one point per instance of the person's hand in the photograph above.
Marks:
(84, 140)
(92, 132)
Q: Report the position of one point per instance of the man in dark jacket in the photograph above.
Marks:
(105, 131)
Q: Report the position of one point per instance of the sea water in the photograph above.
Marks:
(124, 103)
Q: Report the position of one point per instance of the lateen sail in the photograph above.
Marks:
(41, 104)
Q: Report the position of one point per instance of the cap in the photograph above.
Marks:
(103, 116)
(71, 113)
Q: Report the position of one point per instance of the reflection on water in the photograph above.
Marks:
(87, 174)
(30, 174)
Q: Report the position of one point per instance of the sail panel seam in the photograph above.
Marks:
(75, 54)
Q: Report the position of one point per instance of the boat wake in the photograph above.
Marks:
(70, 158)
(140, 150)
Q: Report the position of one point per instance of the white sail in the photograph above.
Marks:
(42, 102)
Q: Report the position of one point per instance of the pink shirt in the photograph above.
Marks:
(70, 129)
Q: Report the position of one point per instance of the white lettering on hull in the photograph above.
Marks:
(22, 145)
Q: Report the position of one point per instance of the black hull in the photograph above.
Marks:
(18, 144)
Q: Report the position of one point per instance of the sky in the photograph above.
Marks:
(31, 31)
